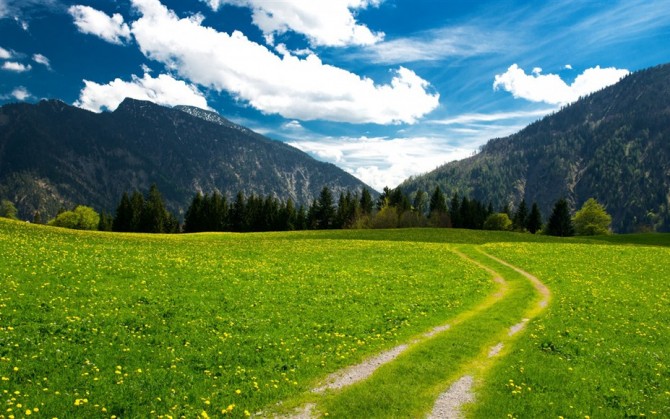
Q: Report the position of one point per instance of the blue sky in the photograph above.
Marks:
(385, 89)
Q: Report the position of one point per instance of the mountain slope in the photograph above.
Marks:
(613, 145)
(54, 155)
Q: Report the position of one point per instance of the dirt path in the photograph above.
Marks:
(539, 286)
(450, 403)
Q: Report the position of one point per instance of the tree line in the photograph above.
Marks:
(137, 212)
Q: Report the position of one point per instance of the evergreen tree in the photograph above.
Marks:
(193, 222)
(106, 222)
(137, 207)
(238, 214)
(560, 223)
(154, 215)
(399, 201)
(421, 203)
(455, 212)
(288, 216)
(324, 211)
(366, 202)
(466, 214)
(384, 199)
(438, 204)
(123, 220)
(520, 216)
(534, 221)
(301, 219)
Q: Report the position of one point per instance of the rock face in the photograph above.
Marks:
(53, 155)
(613, 145)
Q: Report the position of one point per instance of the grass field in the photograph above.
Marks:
(102, 325)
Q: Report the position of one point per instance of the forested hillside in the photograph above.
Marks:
(53, 155)
(613, 145)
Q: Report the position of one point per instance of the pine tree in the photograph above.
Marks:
(534, 221)
(216, 212)
(288, 216)
(420, 202)
(437, 204)
(238, 213)
(455, 212)
(137, 207)
(106, 222)
(366, 202)
(324, 211)
(560, 223)
(301, 219)
(193, 222)
(123, 220)
(520, 216)
(384, 199)
(154, 216)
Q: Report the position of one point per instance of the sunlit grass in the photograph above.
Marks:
(134, 325)
(99, 324)
(601, 350)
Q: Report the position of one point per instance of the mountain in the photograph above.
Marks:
(53, 155)
(613, 145)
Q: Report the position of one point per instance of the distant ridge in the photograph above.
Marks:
(613, 145)
(53, 155)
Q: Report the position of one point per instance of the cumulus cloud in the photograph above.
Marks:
(91, 21)
(16, 67)
(293, 126)
(296, 88)
(163, 90)
(323, 22)
(41, 59)
(381, 162)
(550, 88)
(21, 93)
(4, 54)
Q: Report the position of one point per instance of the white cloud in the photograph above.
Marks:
(163, 90)
(537, 71)
(323, 22)
(41, 59)
(568, 67)
(381, 162)
(293, 126)
(91, 21)
(22, 23)
(435, 45)
(4, 54)
(21, 93)
(4, 10)
(550, 88)
(295, 88)
(16, 67)
(492, 117)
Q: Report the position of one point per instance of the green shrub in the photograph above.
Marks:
(82, 218)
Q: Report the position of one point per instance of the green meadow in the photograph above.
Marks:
(128, 325)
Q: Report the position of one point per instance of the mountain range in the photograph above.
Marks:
(54, 156)
(613, 145)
